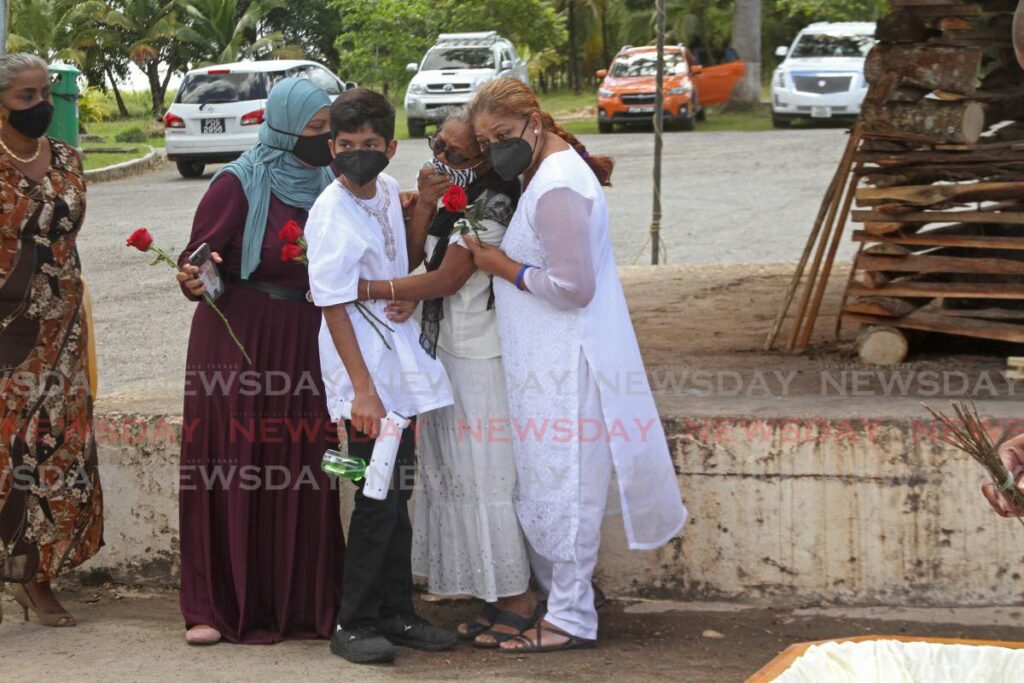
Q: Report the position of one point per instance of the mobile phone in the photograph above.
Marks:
(202, 258)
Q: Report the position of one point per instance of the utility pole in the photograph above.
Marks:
(659, 129)
(5, 16)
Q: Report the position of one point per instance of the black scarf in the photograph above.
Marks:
(441, 228)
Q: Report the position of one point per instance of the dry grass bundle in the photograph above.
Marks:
(967, 433)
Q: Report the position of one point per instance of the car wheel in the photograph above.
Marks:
(605, 127)
(417, 128)
(191, 169)
(779, 122)
(702, 114)
(689, 123)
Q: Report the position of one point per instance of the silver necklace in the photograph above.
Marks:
(381, 216)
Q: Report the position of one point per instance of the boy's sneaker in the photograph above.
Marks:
(364, 645)
(417, 633)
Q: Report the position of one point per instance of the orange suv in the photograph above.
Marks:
(627, 93)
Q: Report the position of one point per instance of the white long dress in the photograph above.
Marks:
(544, 346)
(466, 537)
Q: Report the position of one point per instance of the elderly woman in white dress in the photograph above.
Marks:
(579, 399)
(466, 537)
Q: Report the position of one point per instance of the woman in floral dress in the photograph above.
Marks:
(51, 505)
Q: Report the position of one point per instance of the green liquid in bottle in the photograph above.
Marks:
(342, 465)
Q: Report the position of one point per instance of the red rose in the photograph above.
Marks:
(455, 199)
(291, 252)
(290, 233)
(140, 239)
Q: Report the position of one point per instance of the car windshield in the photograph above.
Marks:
(821, 45)
(646, 64)
(443, 58)
(215, 88)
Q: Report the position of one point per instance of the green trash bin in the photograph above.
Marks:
(65, 103)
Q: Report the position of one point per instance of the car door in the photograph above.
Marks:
(520, 69)
(326, 80)
(715, 83)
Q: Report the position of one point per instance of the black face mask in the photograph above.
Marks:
(510, 158)
(361, 166)
(32, 122)
(313, 149)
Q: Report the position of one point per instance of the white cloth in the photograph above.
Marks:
(466, 536)
(893, 661)
(541, 345)
(468, 329)
(568, 583)
(346, 243)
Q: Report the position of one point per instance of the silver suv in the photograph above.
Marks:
(452, 70)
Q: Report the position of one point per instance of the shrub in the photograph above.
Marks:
(92, 107)
(133, 134)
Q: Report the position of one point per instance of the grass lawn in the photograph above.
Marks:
(93, 161)
(108, 130)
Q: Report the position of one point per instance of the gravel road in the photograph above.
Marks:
(728, 198)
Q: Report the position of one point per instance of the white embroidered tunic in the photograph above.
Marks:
(349, 239)
(576, 306)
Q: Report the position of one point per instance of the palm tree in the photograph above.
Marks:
(56, 30)
(226, 30)
(746, 36)
(147, 29)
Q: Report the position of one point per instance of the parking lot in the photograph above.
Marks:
(729, 198)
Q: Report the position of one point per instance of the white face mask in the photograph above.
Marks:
(463, 177)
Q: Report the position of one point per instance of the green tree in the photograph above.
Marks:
(313, 24)
(56, 30)
(228, 30)
(382, 36)
(106, 63)
(146, 29)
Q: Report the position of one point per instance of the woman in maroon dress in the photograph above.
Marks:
(261, 540)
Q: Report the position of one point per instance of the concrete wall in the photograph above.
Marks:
(787, 512)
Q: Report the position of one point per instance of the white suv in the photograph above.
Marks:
(822, 75)
(452, 70)
(218, 109)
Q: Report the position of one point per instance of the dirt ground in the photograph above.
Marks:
(702, 331)
(126, 635)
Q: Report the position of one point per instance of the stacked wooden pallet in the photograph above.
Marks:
(935, 167)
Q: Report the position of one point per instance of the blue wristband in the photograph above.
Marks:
(519, 276)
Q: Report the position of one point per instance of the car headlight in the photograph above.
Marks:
(415, 89)
(780, 79)
(684, 89)
(605, 93)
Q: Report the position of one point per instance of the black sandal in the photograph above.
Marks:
(573, 643)
(508, 618)
(474, 628)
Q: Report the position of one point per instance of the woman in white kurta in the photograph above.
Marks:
(579, 399)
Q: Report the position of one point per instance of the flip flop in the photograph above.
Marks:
(517, 621)
(475, 628)
(529, 646)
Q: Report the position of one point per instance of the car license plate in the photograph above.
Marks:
(641, 110)
(821, 112)
(213, 126)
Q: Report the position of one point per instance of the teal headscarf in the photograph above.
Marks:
(269, 168)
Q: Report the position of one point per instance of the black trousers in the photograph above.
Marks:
(378, 554)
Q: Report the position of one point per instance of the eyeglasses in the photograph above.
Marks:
(439, 147)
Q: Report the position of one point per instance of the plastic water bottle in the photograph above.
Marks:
(343, 465)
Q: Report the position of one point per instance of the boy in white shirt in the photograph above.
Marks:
(356, 230)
